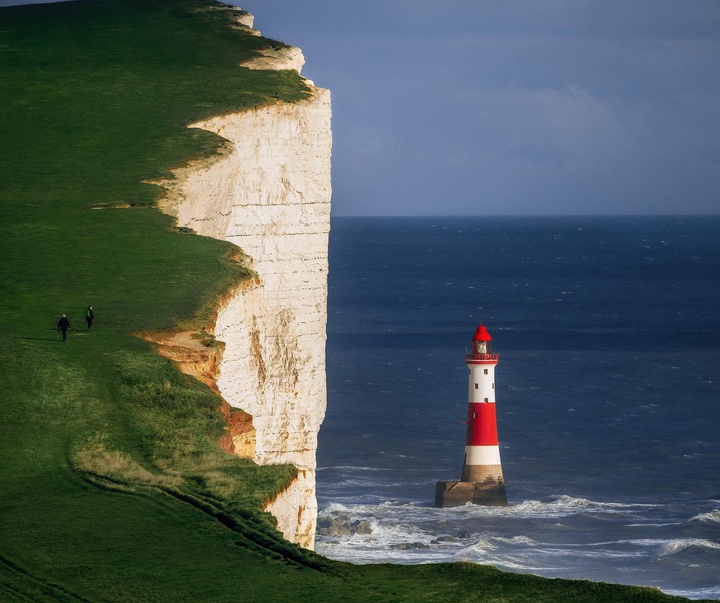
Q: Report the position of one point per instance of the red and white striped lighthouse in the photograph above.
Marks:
(482, 480)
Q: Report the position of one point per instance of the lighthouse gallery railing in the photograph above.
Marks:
(482, 356)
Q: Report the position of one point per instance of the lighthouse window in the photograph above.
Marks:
(474, 415)
(493, 386)
(476, 386)
(486, 371)
(486, 400)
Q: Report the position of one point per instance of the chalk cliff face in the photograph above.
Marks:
(269, 194)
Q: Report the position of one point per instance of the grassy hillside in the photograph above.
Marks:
(112, 485)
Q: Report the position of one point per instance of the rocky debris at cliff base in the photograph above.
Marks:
(336, 524)
(443, 539)
(409, 546)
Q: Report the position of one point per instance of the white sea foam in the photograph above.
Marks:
(432, 534)
(712, 517)
(712, 592)
(681, 544)
(396, 533)
(517, 540)
(662, 524)
(562, 506)
(412, 513)
(352, 468)
(367, 482)
(664, 547)
(413, 533)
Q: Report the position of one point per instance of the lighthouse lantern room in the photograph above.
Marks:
(481, 481)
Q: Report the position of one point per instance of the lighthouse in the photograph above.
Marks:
(481, 481)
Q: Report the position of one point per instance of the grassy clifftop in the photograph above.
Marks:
(112, 485)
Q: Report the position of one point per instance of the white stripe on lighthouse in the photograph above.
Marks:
(482, 455)
(481, 385)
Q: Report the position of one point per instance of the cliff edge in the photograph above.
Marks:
(269, 194)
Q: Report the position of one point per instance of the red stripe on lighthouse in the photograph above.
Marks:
(482, 425)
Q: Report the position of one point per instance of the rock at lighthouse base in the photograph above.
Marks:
(455, 494)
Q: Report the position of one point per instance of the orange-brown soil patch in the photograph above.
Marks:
(199, 355)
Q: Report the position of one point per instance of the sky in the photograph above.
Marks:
(514, 107)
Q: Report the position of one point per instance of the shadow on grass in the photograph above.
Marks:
(57, 337)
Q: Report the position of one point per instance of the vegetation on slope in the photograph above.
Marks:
(112, 484)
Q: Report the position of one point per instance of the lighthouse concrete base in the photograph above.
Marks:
(490, 493)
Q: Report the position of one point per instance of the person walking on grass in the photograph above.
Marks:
(64, 325)
(89, 317)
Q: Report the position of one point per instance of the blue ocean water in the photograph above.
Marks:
(608, 393)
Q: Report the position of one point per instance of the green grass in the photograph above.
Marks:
(112, 484)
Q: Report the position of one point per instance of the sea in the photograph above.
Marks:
(607, 394)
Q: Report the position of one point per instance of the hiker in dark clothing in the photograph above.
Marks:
(89, 317)
(64, 325)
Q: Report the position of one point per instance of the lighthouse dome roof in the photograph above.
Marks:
(482, 334)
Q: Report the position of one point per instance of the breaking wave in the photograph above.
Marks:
(713, 517)
(551, 538)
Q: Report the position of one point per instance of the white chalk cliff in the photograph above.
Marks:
(269, 194)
